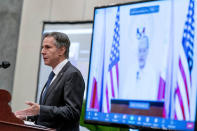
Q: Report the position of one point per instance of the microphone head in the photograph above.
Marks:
(5, 64)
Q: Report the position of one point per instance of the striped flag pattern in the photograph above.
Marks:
(112, 84)
(185, 64)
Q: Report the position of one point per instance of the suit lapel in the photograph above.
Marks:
(57, 79)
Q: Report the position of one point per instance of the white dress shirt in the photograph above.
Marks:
(58, 68)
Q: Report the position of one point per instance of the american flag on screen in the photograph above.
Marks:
(112, 84)
(185, 65)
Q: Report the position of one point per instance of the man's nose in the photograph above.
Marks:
(42, 51)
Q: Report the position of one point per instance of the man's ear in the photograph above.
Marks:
(62, 50)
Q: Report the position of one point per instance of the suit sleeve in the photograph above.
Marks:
(73, 89)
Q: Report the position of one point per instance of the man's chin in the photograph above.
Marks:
(46, 63)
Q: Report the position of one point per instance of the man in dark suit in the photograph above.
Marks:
(61, 98)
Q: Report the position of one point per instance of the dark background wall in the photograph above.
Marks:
(10, 15)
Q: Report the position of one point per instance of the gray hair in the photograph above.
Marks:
(61, 40)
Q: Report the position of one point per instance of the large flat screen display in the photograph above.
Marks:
(143, 65)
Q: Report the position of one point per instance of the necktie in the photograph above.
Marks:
(51, 75)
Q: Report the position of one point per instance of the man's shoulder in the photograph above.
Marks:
(72, 72)
(70, 68)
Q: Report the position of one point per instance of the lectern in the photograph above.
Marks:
(9, 122)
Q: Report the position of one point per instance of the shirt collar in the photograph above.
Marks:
(59, 67)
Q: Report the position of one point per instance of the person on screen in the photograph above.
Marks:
(61, 98)
(146, 78)
(143, 48)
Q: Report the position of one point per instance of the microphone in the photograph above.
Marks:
(5, 64)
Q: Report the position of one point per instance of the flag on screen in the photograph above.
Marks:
(94, 102)
(94, 98)
(161, 91)
(112, 84)
(185, 64)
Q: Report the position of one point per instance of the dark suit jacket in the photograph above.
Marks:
(62, 104)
